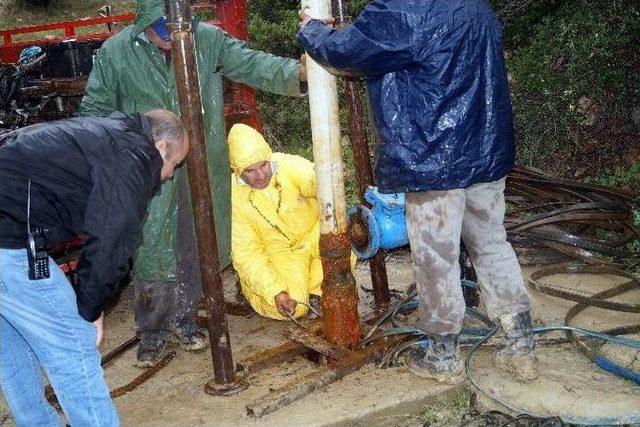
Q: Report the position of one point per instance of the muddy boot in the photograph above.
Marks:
(440, 360)
(150, 349)
(518, 356)
(189, 336)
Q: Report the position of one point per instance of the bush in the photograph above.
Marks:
(575, 86)
(573, 75)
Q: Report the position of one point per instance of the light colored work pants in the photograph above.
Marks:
(436, 222)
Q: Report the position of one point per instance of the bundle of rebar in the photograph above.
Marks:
(587, 222)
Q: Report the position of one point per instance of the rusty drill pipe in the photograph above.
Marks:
(318, 379)
(360, 146)
(339, 294)
(185, 69)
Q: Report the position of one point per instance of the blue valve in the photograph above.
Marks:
(384, 225)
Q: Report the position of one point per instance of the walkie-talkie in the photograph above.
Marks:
(36, 246)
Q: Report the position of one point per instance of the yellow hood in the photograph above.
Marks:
(246, 147)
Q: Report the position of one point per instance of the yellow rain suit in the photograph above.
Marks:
(274, 231)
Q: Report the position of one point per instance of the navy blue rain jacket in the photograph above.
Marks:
(438, 89)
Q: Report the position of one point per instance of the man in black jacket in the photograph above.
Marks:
(91, 176)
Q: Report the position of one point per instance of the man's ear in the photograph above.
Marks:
(161, 146)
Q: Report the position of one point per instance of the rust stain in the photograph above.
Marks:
(339, 295)
(358, 232)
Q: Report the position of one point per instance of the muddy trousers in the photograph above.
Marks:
(436, 222)
(160, 307)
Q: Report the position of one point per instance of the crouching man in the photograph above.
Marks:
(91, 176)
(274, 227)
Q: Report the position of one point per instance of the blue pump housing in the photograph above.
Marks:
(385, 222)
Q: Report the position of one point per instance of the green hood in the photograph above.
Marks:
(147, 11)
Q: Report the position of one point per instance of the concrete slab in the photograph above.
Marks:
(570, 385)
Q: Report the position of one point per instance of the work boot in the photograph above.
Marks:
(518, 356)
(439, 360)
(150, 349)
(189, 336)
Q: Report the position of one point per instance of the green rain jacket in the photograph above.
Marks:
(130, 75)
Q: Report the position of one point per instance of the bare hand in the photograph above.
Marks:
(285, 304)
(99, 325)
(304, 17)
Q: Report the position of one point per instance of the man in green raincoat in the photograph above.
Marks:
(133, 72)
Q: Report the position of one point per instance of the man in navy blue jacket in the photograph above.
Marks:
(437, 83)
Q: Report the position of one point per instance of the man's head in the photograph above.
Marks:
(258, 175)
(250, 156)
(150, 20)
(170, 139)
(158, 33)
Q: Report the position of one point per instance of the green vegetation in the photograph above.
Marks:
(447, 412)
(575, 86)
(21, 13)
(573, 70)
(272, 27)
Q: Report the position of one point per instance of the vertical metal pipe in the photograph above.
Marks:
(360, 145)
(185, 69)
(364, 173)
(339, 294)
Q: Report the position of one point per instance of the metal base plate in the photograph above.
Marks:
(215, 389)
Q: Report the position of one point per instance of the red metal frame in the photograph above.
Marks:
(233, 16)
(241, 105)
(10, 50)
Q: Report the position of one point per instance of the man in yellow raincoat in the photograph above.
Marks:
(274, 226)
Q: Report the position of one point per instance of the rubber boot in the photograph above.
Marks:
(439, 360)
(189, 336)
(518, 355)
(150, 349)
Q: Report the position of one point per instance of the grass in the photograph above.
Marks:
(18, 13)
(627, 177)
(447, 412)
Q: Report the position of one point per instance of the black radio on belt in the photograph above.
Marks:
(36, 246)
(37, 254)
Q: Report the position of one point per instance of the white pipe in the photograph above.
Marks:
(325, 133)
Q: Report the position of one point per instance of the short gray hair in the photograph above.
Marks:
(166, 126)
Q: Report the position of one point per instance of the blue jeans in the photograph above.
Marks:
(41, 330)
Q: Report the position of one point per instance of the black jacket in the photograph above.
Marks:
(91, 176)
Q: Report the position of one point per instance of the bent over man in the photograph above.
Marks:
(438, 87)
(91, 176)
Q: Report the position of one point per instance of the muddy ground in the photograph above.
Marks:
(569, 385)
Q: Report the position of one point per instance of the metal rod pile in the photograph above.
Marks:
(587, 222)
